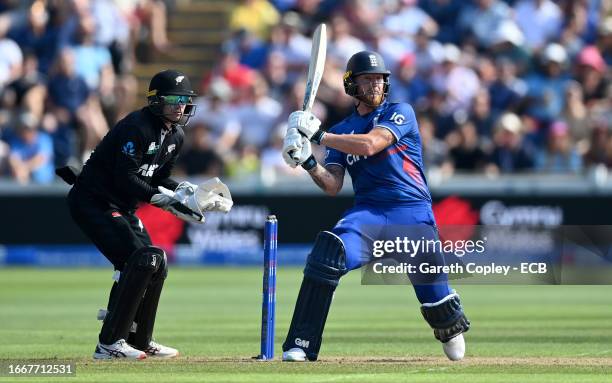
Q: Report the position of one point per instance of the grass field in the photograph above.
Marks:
(374, 333)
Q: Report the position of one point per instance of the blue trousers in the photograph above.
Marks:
(360, 226)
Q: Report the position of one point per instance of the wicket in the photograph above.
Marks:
(268, 308)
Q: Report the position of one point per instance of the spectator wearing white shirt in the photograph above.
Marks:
(216, 112)
(11, 60)
(539, 20)
(258, 114)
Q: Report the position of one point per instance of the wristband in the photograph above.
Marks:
(318, 136)
(310, 163)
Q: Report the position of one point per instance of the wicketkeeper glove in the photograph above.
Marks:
(176, 203)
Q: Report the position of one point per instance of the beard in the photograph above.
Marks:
(371, 99)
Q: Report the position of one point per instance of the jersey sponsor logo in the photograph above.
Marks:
(352, 159)
(397, 118)
(171, 148)
(152, 148)
(147, 170)
(128, 148)
(302, 343)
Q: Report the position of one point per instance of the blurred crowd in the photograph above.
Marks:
(66, 77)
(499, 86)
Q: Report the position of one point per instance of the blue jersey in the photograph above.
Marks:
(395, 175)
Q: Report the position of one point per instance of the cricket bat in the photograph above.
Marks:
(315, 68)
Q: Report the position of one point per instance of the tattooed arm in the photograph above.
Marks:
(330, 179)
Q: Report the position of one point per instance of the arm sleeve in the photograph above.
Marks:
(128, 160)
(399, 120)
(334, 157)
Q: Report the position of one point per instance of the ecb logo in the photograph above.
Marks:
(373, 60)
(397, 118)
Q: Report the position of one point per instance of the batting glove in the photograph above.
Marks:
(307, 124)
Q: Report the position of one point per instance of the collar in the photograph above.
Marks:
(378, 109)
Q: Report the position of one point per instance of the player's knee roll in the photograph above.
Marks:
(446, 318)
(326, 262)
(149, 259)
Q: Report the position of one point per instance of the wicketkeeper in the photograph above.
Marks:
(132, 164)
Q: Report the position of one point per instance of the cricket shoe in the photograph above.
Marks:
(156, 350)
(455, 348)
(294, 355)
(118, 350)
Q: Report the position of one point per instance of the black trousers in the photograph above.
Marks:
(117, 234)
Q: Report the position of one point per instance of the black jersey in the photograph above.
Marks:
(132, 160)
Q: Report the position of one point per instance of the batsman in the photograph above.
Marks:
(380, 147)
(133, 164)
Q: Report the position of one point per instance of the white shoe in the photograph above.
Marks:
(157, 350)
(455, 348)
(294, 355)
(119, 349)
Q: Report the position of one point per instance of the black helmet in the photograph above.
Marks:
(361, 63)
(171, 83)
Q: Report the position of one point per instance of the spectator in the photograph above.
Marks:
(252, 51)
(600, 149)
(435, 151)
(510, 152)
(560, 155)
(31, 152)
(481, 115)
(29, 90)
(258, 114)
(276, 74)
(508, 44)
(591, 73)
(407, 86)
(444, 13)
(428, 54)
(605, 39)
(255, 16)
(11, 61)
(508, 90)
(152, 14)
(287, 39)
(575, 115)
(540, 21)
(219, 116)
(113, 33)
(407, 19)
(342, 44)
(200, 159)
(37, 34)
(458, 83)
(546, 88)
(68, 95)
(478, 21)
(467, 154)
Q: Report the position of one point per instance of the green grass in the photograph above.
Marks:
(374, 333)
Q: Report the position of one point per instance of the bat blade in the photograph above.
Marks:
(316, 66)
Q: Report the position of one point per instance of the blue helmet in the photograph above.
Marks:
(361, 63)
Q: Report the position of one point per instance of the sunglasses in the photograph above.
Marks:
(176, 100)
